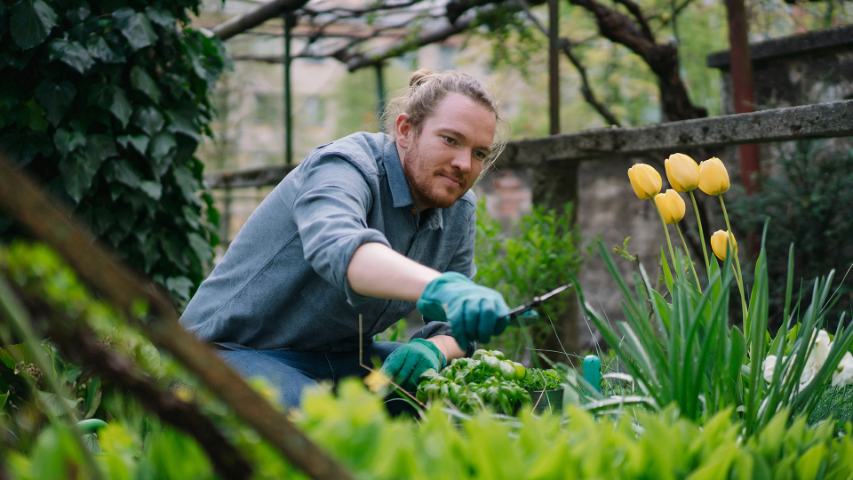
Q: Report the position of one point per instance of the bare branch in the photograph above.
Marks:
(586, 87)
(638, 15)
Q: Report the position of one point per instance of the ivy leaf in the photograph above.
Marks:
(161, 145)
(31, 23)
(138, 142)
(72, 54)
(143, 82)
(121, 171)
(120, 107)
(160, 17)
(152, 189)
(101, 147)
(149, 120)
(180, 286)
(135, 27)
(200, 247)
(66, 142)
(100, 50)
(181, 121)
(185, 181)
(55, 98)
(32, 116)
(77, 172)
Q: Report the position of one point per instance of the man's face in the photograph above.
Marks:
(444, 159)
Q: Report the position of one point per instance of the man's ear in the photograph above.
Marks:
(403, 129)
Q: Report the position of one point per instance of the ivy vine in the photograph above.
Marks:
(105, 102)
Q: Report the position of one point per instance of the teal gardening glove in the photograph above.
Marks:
(473, 311)
(408, 362)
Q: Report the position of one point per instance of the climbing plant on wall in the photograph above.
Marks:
(105, 103)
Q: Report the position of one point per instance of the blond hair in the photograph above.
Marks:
(427, 89)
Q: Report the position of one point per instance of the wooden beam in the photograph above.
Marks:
(833, 119)
(249, 20)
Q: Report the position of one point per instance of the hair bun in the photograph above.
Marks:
(419, 77)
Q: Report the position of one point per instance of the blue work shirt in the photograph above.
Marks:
(282, 283)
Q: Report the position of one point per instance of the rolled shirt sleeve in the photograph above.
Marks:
(330, 212)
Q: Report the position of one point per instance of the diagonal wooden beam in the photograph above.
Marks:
(251, 19)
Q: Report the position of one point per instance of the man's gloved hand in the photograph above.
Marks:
(473, 311)
(408, 362)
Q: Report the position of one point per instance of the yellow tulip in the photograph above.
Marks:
(682, 172)
(645, 181)
(671, 206)
(720, 242)
(713, 177)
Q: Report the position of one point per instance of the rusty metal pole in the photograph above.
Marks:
(742, 87)
(554, 66)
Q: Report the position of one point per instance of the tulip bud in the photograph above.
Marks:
(671, 206)
(713, 177)
(682, 172)
(720, 242)
(645, 181)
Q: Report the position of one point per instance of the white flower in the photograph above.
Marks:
(844, 372)
(816, 359)
(769, 366)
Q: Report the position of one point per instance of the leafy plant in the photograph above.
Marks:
(543, 254)
(105, 103)
(487, 379)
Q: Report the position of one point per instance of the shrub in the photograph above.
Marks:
(105, 103)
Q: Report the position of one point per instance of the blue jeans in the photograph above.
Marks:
(290, 372)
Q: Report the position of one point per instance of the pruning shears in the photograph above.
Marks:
(516, 312)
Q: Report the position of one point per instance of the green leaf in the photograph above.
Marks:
(160, 17)
(72, 54)
(100, 50)
(138, 142)
(55, 98)
(66, 142)
(135, 27)
(31, 23)
(120, 107)
(181, 121)
(180, 286)
(152, 189)
(32, 116)
(161, 145)
(149, 120)
(77, 173)
(143, 82)
(101, 147)
(185, 181)
(121, 171)
(201, 247)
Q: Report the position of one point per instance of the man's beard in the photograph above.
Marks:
(422, 193)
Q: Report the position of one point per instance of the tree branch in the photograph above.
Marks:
(586, 87)
(79, 343)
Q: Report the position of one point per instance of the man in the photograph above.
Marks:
(355, 238)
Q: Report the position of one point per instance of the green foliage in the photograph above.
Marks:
(679, 346)
(23, 382)
(486, 380)
(105, 103)
(542, 255)
(808, 199)
(836, 403)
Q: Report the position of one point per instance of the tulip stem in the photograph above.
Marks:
(738, 271)
(689, 260)
(701, 233)
(668, 241)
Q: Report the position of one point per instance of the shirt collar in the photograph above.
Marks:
(401, 195)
